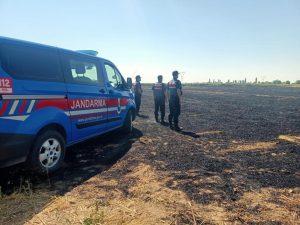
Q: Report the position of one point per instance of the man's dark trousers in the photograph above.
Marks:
(174, 106)
(138, 98)
(159, 103)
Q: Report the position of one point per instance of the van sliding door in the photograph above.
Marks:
(86, 95)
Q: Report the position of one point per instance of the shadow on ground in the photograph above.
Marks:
(82, 162)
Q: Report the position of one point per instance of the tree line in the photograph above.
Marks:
(256, 81)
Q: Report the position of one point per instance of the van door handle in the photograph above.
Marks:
(102, 91)
(111, 92)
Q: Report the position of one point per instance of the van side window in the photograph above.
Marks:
(27, 62)
(81, 70)
(113, 76)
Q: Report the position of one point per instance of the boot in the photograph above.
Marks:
(156, 118)
(162, 122)
(177, 128)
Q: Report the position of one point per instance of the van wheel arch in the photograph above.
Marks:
(54, 126)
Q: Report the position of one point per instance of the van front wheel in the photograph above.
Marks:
(48, 152)
(127, 126)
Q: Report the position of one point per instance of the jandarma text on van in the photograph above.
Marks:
(87, 103)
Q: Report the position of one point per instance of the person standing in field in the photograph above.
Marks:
(138, 91)
(160, 95)
(174, 92)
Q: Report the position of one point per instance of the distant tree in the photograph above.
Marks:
(255, 80)
(287, 82)
(277, 82)
(297, 82)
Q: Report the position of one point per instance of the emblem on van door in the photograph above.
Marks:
(119, 106)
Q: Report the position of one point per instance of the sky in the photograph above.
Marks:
(203, 39)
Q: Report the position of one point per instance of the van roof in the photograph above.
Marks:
(13, 40)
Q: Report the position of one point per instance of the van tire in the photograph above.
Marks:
(48, 152)
(127, 126)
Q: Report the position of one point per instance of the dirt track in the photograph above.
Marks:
(237, 161)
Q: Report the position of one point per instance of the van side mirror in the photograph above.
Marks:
(129, 83)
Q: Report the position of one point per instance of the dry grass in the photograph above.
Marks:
(289, 138)
(23, 204)
(149, 200)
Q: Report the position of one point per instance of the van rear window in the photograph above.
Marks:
(26, 62)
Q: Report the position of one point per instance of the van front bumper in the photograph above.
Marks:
(14, 148)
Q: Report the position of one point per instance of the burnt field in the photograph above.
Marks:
(236, 162)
